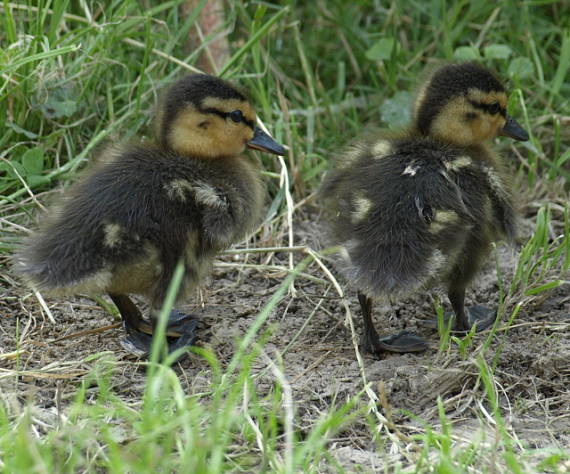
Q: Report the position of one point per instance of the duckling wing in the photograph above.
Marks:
(398, 218)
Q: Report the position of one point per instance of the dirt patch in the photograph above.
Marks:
(531, 358)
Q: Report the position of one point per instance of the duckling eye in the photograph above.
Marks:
(494, 108)
(236, 116)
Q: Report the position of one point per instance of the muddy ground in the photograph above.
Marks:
(533, 355)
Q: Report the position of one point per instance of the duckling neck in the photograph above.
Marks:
(448, 140)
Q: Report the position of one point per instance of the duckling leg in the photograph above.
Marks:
(138, 338)
(132, 318)
(371, 342)
(464, 318)
(139, 331)
(478, 315)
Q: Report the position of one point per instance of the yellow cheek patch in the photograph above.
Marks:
(497, 123)
(188, 117)
(190, 133)
(480, 128)
(229, 140)
(450, 126)
(199, 135)
(487, 126)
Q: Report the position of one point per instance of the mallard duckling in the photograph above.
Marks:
(421, 207)
(125, 225)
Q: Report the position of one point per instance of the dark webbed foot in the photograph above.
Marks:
(481, 316)
(180, 330)
(370, 342)
(476, 315)
(402, 343)
(180, 323)
(140, 343)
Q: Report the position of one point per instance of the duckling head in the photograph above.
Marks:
(203, 116)
(464, 104)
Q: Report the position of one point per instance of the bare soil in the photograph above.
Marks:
(532, 356)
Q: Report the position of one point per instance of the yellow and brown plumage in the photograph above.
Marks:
(421, 207)
(124, 226)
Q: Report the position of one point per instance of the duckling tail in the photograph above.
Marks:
(50, 264)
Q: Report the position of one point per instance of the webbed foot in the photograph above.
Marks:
(476, 315)
(180, 329)
(402, 343)
(180, 323)
(180, 333)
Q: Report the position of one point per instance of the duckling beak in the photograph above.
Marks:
(263, 142)
(513, 129)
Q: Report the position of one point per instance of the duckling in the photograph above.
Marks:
(125, 225)
(421, 207)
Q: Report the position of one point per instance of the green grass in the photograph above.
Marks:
(75, 74)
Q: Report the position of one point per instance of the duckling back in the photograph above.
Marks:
(404, 209)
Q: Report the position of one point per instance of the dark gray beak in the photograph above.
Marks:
(263, 142)
(513, 129)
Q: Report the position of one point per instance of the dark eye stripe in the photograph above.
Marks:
(487, 107)
(225, 115)
(249, 123)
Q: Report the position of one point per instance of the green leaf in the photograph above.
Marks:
(56, 108)
(381, 50)
(541, 288)
(33, 161)
(466, 53)
(521, 68)
(396, 110)
(497, 51)
(35, 180)
(13, 168)
(60, 102)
